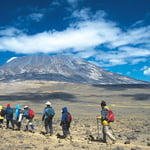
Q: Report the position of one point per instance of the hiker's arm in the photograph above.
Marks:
(63, 119)
(98, 117)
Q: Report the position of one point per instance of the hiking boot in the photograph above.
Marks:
(103, 141)
(33, 131)
(114, 141)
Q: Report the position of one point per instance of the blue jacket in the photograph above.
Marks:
(104, 113)
(25, 113)
(64, 114)
(17, 112)
(9, 116)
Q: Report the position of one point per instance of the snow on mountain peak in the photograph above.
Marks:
(9, 60)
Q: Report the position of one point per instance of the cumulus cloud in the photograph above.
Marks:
(147, 71)
(9, 31)
(91, 35)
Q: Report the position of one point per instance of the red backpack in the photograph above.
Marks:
(31, 113)
(110, 116)
(69, 117)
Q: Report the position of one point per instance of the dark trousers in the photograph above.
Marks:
(48, 125)
(1, 121)
(65, 129)
(18, 124)
(7, 123)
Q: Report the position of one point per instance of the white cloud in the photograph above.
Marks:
(73, 3)
(10, 31)
(36, 16)
(147, 71)
(84, 37)
(137, 60)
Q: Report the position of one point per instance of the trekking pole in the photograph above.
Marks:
(98, 129)
(42, 125)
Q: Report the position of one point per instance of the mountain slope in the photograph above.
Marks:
(59, 68)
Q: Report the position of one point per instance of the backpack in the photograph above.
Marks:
(69, 118)
(31, 113)
(9, 112)
(110, 116)
(2, 113)
(49, 112)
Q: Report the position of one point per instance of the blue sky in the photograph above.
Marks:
(113, 34)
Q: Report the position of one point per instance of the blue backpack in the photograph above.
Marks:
(9, 112)
(49, 112)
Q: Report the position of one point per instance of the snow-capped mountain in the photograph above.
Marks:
(59, 68)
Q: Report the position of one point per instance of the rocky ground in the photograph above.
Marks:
(131, 105)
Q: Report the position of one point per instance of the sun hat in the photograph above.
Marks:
(26, 106)
(48, 103)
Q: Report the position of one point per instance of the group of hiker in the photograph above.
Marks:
(47, 117)
(15, 117)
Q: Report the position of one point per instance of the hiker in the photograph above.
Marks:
(65, 122)
(9, 116)
(2, 116)
(105, 123)
(28, 113)
(18, 117)
(47, 117)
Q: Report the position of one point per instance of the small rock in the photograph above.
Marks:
(90, 138)
(75, 144)
(60, 144)
(131, 137)
(119, 135)
(87, 125)
(136, 148)
(46, 148)
(148, 144)
(148, 139)
(127, 142)
(85, 147)
(118, 148)
(88, 132)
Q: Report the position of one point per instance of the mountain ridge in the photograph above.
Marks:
(60, 68)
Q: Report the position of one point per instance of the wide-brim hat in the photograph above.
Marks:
(26, 106)
(48, 103)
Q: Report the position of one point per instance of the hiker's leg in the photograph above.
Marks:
(68, 126)
(108, 133)
(104, 133)
(12, 124)
(19, 125)
(31, 124)
(7, 123)
(51, 126)
(46, 125)
(1, 122)
(27, 123)
(65, 130)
